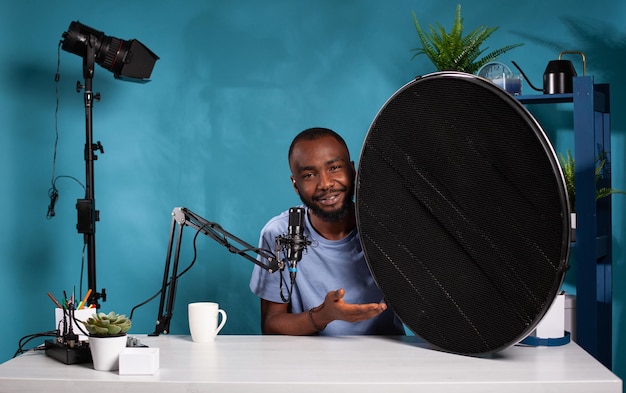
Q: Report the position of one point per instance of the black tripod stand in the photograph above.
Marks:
(87, 213)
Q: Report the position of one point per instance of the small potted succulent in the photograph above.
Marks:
(107, 338)
(106, 325)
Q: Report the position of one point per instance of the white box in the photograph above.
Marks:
(570, 315)
(139, 361)
(80, 315)
(552, 325)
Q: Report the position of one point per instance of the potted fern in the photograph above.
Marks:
(453, 51)
(568, 166)
(107, 338)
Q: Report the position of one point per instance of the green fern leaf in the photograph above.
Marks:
(452, 51)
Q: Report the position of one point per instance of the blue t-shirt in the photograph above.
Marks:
(326, 265)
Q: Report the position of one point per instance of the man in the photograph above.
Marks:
(334, 292)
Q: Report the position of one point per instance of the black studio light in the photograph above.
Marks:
(127, 60)
(130, 60)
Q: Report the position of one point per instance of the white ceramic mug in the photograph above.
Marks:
(203, 317)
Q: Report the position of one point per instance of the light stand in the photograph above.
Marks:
(127, 60)
(182, 217)
(87, 213)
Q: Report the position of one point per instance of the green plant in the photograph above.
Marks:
(111, 324)
(453, 51)
(569, 173)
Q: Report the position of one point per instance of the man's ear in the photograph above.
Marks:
(295, 186)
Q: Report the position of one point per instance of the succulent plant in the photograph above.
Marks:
(111, 324)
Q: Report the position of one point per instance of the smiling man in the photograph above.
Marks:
(334, 292)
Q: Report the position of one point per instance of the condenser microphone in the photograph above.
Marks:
(296, 241)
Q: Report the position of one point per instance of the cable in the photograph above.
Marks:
(53, 192)
(283, 280)
(193, 261)
(26, 339)
(82, 272)
(77, 322)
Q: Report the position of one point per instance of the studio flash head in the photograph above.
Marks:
(128, 60)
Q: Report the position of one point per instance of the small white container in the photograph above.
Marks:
(552, 325)
(139, 361)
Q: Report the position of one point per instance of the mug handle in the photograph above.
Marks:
(221, 325)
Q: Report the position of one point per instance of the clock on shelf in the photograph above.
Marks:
(502, 76)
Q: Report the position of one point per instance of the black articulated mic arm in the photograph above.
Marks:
(182, 217)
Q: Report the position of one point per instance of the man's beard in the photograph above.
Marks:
(335, 215)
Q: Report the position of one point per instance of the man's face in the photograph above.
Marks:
(323, 176)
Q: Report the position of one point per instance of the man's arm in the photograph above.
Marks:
(275, 318)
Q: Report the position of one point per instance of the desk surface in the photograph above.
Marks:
(321, 364)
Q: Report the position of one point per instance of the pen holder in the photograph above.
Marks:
(79, 315)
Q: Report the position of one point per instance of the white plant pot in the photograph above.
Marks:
(105, 352)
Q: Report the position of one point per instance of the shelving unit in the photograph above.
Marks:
(592, 135)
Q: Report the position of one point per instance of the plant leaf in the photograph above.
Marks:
(453, 51)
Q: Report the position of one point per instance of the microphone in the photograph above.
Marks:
(296, 241)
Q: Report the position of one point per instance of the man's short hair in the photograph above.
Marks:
(311, 134)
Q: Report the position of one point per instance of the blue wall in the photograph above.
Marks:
(235, 82)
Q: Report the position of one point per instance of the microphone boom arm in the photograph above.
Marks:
(182, 217)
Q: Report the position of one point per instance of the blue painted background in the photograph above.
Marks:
(235, 82)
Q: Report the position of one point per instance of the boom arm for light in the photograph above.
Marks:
(182, 217)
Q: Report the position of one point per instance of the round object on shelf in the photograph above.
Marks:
(501, 75)
(495, 70)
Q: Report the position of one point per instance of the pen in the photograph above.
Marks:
(54, 300)
(82, 304)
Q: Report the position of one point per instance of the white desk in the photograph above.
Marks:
(321, 364)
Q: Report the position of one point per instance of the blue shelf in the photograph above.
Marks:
(592, 132)
(545, 98)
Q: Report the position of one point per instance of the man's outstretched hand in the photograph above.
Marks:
(335, 308)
